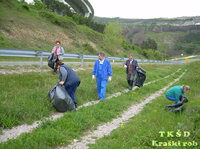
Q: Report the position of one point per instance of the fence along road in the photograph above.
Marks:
(44, 54)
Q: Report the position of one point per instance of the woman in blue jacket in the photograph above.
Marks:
(103, 73)
(69, 79)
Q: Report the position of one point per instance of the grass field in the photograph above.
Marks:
(20, 91)
(30, 102)
(152, 128)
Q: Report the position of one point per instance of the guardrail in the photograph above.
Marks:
(42, 54)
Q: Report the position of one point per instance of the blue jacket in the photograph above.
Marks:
(107, 69)
(133, 65)
(71, 77)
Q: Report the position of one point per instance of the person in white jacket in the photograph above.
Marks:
(59, 52)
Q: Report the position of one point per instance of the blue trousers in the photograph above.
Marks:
(101, 87)
(71, 91)
(172, 98)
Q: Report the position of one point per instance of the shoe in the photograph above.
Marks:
(98, 98)
(130, 87)
(54, 73)
(76, 106)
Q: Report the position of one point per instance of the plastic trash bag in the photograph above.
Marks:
(60, 98)
(140, 77)
(52, 60)
(177, 106)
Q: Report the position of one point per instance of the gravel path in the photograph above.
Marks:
(107, 128)
(18, 130)
(20, 70)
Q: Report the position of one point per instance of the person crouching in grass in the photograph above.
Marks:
(175, 92)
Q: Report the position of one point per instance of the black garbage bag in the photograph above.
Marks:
(52, 60)
(140, 77)
(60, 98)
(177, 106)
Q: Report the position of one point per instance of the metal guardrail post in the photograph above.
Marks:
(39, 53)
(82, 60)
(41, 63)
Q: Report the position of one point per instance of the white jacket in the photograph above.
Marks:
(60, 52)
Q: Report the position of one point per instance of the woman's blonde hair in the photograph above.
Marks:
(186, 87)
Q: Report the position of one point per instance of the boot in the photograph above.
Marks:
(131, 85)
(128, 82)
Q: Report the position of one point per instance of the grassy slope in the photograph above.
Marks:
(30, 29)
(141, 130)
(74, 124)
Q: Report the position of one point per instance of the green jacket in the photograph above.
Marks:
(175, 91)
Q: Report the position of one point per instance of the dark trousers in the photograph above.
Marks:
(55, 68)
(71, 91)
(130, 79)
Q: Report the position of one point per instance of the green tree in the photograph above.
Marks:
(112, 37)
(38, 4)
(149, 44)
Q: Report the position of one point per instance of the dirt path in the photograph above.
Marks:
(107, 128)
(18, 130)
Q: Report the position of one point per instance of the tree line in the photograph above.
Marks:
(64, 10)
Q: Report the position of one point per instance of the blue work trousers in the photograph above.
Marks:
(71, 91)
(172, 98)
(101, 87)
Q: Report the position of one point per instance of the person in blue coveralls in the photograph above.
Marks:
(69, 79)
(175, 92)
(103, 73)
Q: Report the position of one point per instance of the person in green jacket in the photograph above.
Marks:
(175, 92)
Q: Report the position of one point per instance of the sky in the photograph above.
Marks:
(145, 9)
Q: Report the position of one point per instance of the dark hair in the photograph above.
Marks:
(101, 53)
(59, 63)
(57, 41)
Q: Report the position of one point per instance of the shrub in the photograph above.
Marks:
(89, 48)
(38, 4)
(1, 38)
(25, 6)
(62, 21)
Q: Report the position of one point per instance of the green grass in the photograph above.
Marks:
(20, 91)
(74, 124)
(141, 130)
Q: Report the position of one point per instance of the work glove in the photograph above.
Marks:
(125, 66)
(109, 78)
(93, 77)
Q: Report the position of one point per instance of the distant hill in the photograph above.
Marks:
(173, 36)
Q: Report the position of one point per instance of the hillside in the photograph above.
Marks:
(33, 27)
(173, 36)
(24, 27)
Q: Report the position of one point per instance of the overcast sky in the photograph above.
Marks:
(145, 8)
